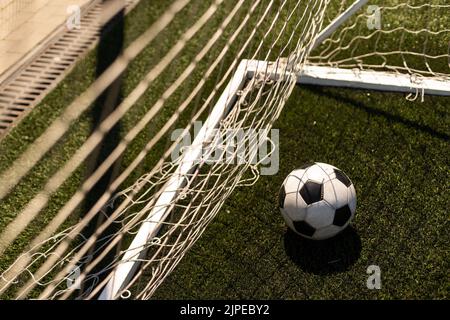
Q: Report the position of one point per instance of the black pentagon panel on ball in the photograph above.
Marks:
(304, 228)
(311, 192)
(281, 197)
(342, 215)
(342, 177)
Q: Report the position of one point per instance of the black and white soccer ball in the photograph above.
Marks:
(317, 201)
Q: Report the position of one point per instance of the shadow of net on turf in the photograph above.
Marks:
(329, 256)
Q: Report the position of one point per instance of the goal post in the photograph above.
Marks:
(151, 225)
(354, 44)
(373, 80)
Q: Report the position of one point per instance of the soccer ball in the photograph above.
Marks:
(317, 201)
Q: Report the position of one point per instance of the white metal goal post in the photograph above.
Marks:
(247, 69)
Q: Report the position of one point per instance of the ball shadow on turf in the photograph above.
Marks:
(329, 256)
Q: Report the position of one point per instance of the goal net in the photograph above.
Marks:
(9, 14)
(142, 232)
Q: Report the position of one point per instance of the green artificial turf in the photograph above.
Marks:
(395, 152)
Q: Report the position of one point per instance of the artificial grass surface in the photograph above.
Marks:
(396, 153)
